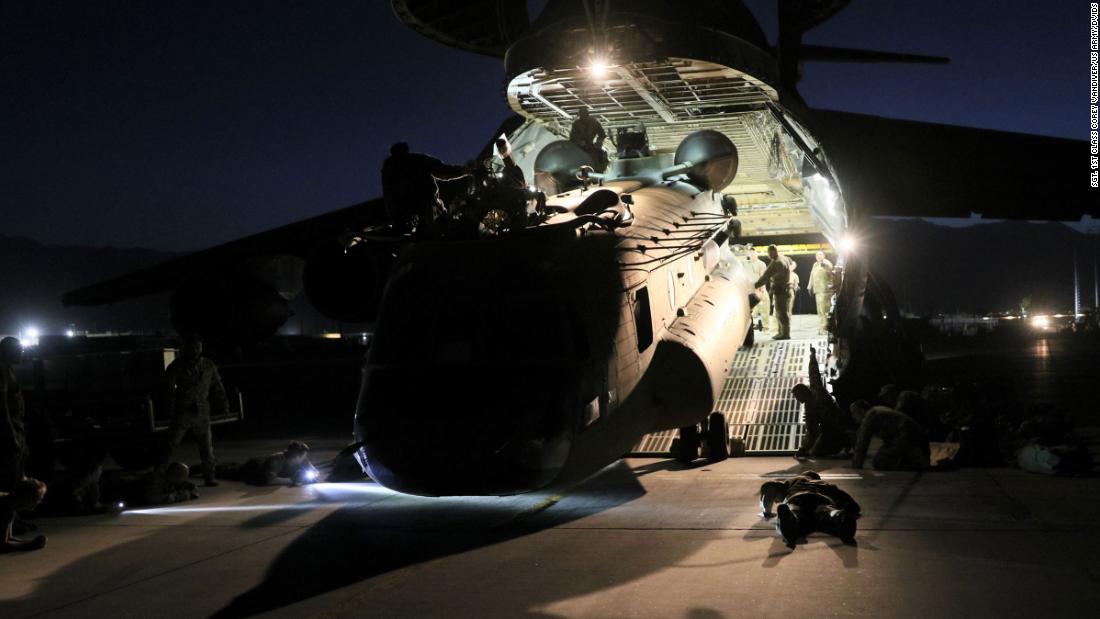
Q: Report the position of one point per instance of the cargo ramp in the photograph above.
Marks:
(756, 397)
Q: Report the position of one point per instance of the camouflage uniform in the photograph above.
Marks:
(821, 286)
(904, 441)
(826, 425)
(409, 188)
(778, 277)
(762, 310)
(13, 443)
(192, 387)
(808, 505)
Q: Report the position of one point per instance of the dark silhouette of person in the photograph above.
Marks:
(17, 491)
(904, 441)
(292, 463)
(589, 134)
(807, 505)
(25, 494)
(151, 487)
(777, 276)
(194, 384)
(409, 189)
(826, 424)
(76, 493)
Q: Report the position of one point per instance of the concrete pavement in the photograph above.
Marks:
(646, 538)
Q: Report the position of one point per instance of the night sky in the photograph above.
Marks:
(179, 125)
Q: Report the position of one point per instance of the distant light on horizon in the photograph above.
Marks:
(29, 337)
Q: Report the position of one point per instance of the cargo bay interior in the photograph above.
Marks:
(781, 198)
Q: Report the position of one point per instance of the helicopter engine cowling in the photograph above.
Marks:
(228, 309)
(347, 284)
(713, 157)
(557, 164)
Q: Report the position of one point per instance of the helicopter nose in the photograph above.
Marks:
(454, 440)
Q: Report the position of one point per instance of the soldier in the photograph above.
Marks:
(826, 427)
(409, 189)
(904, 441)
(778, 277)
(762, 311)
(193, 386)
(796, 286)
(25, 494)
(17, 492)
(588, 133)
(822, 287)
(149, 488)
(292, 463)
(13, 434)
(807, 505)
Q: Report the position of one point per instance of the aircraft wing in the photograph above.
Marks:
(296, 239)
(904, 168)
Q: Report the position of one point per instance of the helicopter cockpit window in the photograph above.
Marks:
(643, 319)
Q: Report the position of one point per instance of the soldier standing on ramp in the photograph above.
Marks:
(821, 286)
(778, 276)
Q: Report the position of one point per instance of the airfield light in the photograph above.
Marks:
(29, 337)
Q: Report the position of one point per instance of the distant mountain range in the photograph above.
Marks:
(33, 276)
(932, 268)
(984, 267)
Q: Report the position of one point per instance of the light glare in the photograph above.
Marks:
(598, 68)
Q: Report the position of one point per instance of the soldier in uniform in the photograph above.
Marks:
(904, 441)
(821, 286)
(807, 505)
(778, 277)
(17, 491)
(194, 385)
(589, 134)
(151, 487)
(762, 311)
(826, 426)
(292, 463)
(409, 189)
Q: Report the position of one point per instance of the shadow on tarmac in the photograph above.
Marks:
(362, 540)
(353, 544)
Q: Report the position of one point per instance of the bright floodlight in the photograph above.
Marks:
(849, 245)
(1040, 322)
(69, 333)
(598, 68)
(311, 475)
(30, 337)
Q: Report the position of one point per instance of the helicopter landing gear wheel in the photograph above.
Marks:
(717, 437)
(687, 448)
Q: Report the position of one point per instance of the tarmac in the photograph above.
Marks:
(645, 538)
